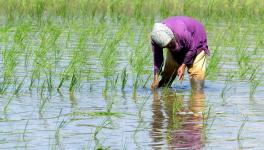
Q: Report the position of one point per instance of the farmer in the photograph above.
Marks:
(185, 39)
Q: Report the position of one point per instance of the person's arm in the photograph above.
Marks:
(158, 62)
(189, 45)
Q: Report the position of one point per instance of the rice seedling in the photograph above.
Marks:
(124, 78)
(10, 62)
(75, 68)
(21, 35)
(49, 80)
(40, 61)
(240, 130)
(73, 82)
(60, 126)
(7, 104)
(177, 106)
(213, 67)
(227, 87)
(19, 87)
(136, 84)
(206, 124)
(140, 108)
(138, 60)
(147, 80)
(98, 129)
(253, 86)
(43, 101)
(243, 63)
(3, 87)
(108, 56)
(25, 129)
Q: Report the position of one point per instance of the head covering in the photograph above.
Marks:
(161, 34)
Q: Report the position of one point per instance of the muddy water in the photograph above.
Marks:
(90, 118)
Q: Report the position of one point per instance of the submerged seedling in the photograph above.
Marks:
(98, 129)
(61, 125)
(206, 124)
(240, 130)
(7, 104)
(25, 129)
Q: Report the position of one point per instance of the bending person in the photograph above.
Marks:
(186, 41)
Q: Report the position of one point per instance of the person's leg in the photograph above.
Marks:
(197, 72)
(169, 72)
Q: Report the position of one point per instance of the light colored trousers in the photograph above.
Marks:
(196, 71)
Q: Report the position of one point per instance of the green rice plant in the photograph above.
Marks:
(54, 34)
(254, 83)
(24, 131)
(223, 93)
(173, 104)
(245, 119)
(42, 89)
(40, 59)
(73, 83)
(136, 84)
(61, 83)
(21, 34)
(42, 103)
(124, 78)
(138, 59)
(4, 33)
(49, 80)
(213, 67)
(7, 104)
(227, 87)
(74, 80)
(19, 86)
(10, 57)
(76, 66)
(68, 39)
(114, 81)
(139, 9)
(27, 55)
(108, 56)
(140, 108)
(177, 106)
(206, 124)
(147, 80)
(98, 129)
(3, 87)
(60, 126)
(63, 8)
(39, 9)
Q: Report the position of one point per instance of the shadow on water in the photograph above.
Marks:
(178, 124)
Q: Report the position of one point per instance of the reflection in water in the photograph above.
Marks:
(173, 122)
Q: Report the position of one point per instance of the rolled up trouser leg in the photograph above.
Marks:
(197, 71)
(169, 72)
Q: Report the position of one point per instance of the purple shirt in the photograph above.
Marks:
(190, 40)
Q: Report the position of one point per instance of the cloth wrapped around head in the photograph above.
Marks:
(161, 34)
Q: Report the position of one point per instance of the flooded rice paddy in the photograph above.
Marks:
(86, 86)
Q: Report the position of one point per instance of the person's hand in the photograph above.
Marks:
(155, 83)
(181, 71)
